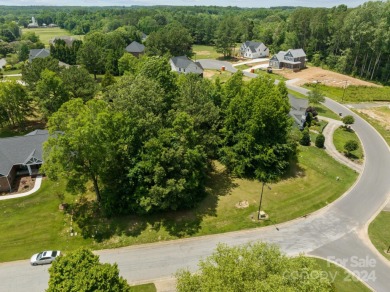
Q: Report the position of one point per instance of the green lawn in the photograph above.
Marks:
(46, 34)
(205, 52)
(343, 281)
(143, 288)
(11, 72)
(34, 223)
(379, 232)
(341, 136)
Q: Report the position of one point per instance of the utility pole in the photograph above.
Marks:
(345, 87)
(261, 199)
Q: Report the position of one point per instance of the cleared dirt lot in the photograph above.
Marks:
(315, 74)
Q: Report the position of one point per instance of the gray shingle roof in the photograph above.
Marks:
(184, 63)
(297, 53)
(135, 47)
(18, 150)
(38, 53)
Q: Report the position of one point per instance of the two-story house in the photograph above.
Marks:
(292, 59)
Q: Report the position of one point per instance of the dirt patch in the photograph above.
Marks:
(242, 204)
(203, 53)
(383, 117)
(326, 77)
(208, 73)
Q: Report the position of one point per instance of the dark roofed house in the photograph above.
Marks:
(67, 39)
(136, 49)
(183, 65)
(298, 110)
(20, 154)
(38, 53)
(292, 59)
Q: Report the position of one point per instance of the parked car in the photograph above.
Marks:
(45, 257)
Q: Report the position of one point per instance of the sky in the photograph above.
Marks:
(239, 3)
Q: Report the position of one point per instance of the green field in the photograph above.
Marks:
(354, 93)
(341, 136)
(46, 34)
(143, 288)
(343, 281)
(208, 52)
(35, 222)
(379, 233)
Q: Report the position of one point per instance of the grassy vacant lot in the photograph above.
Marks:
(379, 232)
(380, 126)
(35, 223)
(46, 34)
(205, 52)
(355, 93)
(222, 75)
(208, 52)
(343, 281)
(341, 136)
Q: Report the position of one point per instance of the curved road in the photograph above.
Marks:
(336, 232)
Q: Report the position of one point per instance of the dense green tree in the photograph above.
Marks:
(253, 267)
(23, 53)
(172, 39)
(305, 138)
(158, 68)
(232, 88)
(50, 92)
(81, 271)
(172, 171)
(128, 63)
(195, 97)
(5, 49)
(320, 141)
(351, 145)
(226, 36)
(31, 36)
(15, 104)
(92, 53)
(348, 120)
(78, 83)
(316, 96)
(31, 72)
(256, 132)
(79, 145)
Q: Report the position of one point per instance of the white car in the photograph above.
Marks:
(45, 257)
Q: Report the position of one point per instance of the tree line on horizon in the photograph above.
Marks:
(353, 41)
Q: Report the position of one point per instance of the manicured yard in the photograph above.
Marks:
(341, 136)
(143, 288)
(46, 34)
(379, 233)
(35, 223)
(343, 281)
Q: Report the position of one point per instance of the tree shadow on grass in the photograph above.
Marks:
(93, 223)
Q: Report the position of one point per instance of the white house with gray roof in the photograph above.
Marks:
(292, 59)
(253, 50)
(183, 65)
(20, 154)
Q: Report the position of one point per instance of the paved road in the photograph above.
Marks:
(337, 232)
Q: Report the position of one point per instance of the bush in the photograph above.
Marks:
(305, 139)
(320, 141)
(348, 120)
(351, 145)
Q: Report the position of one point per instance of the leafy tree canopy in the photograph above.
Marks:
(81, 271)
(253, 267)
